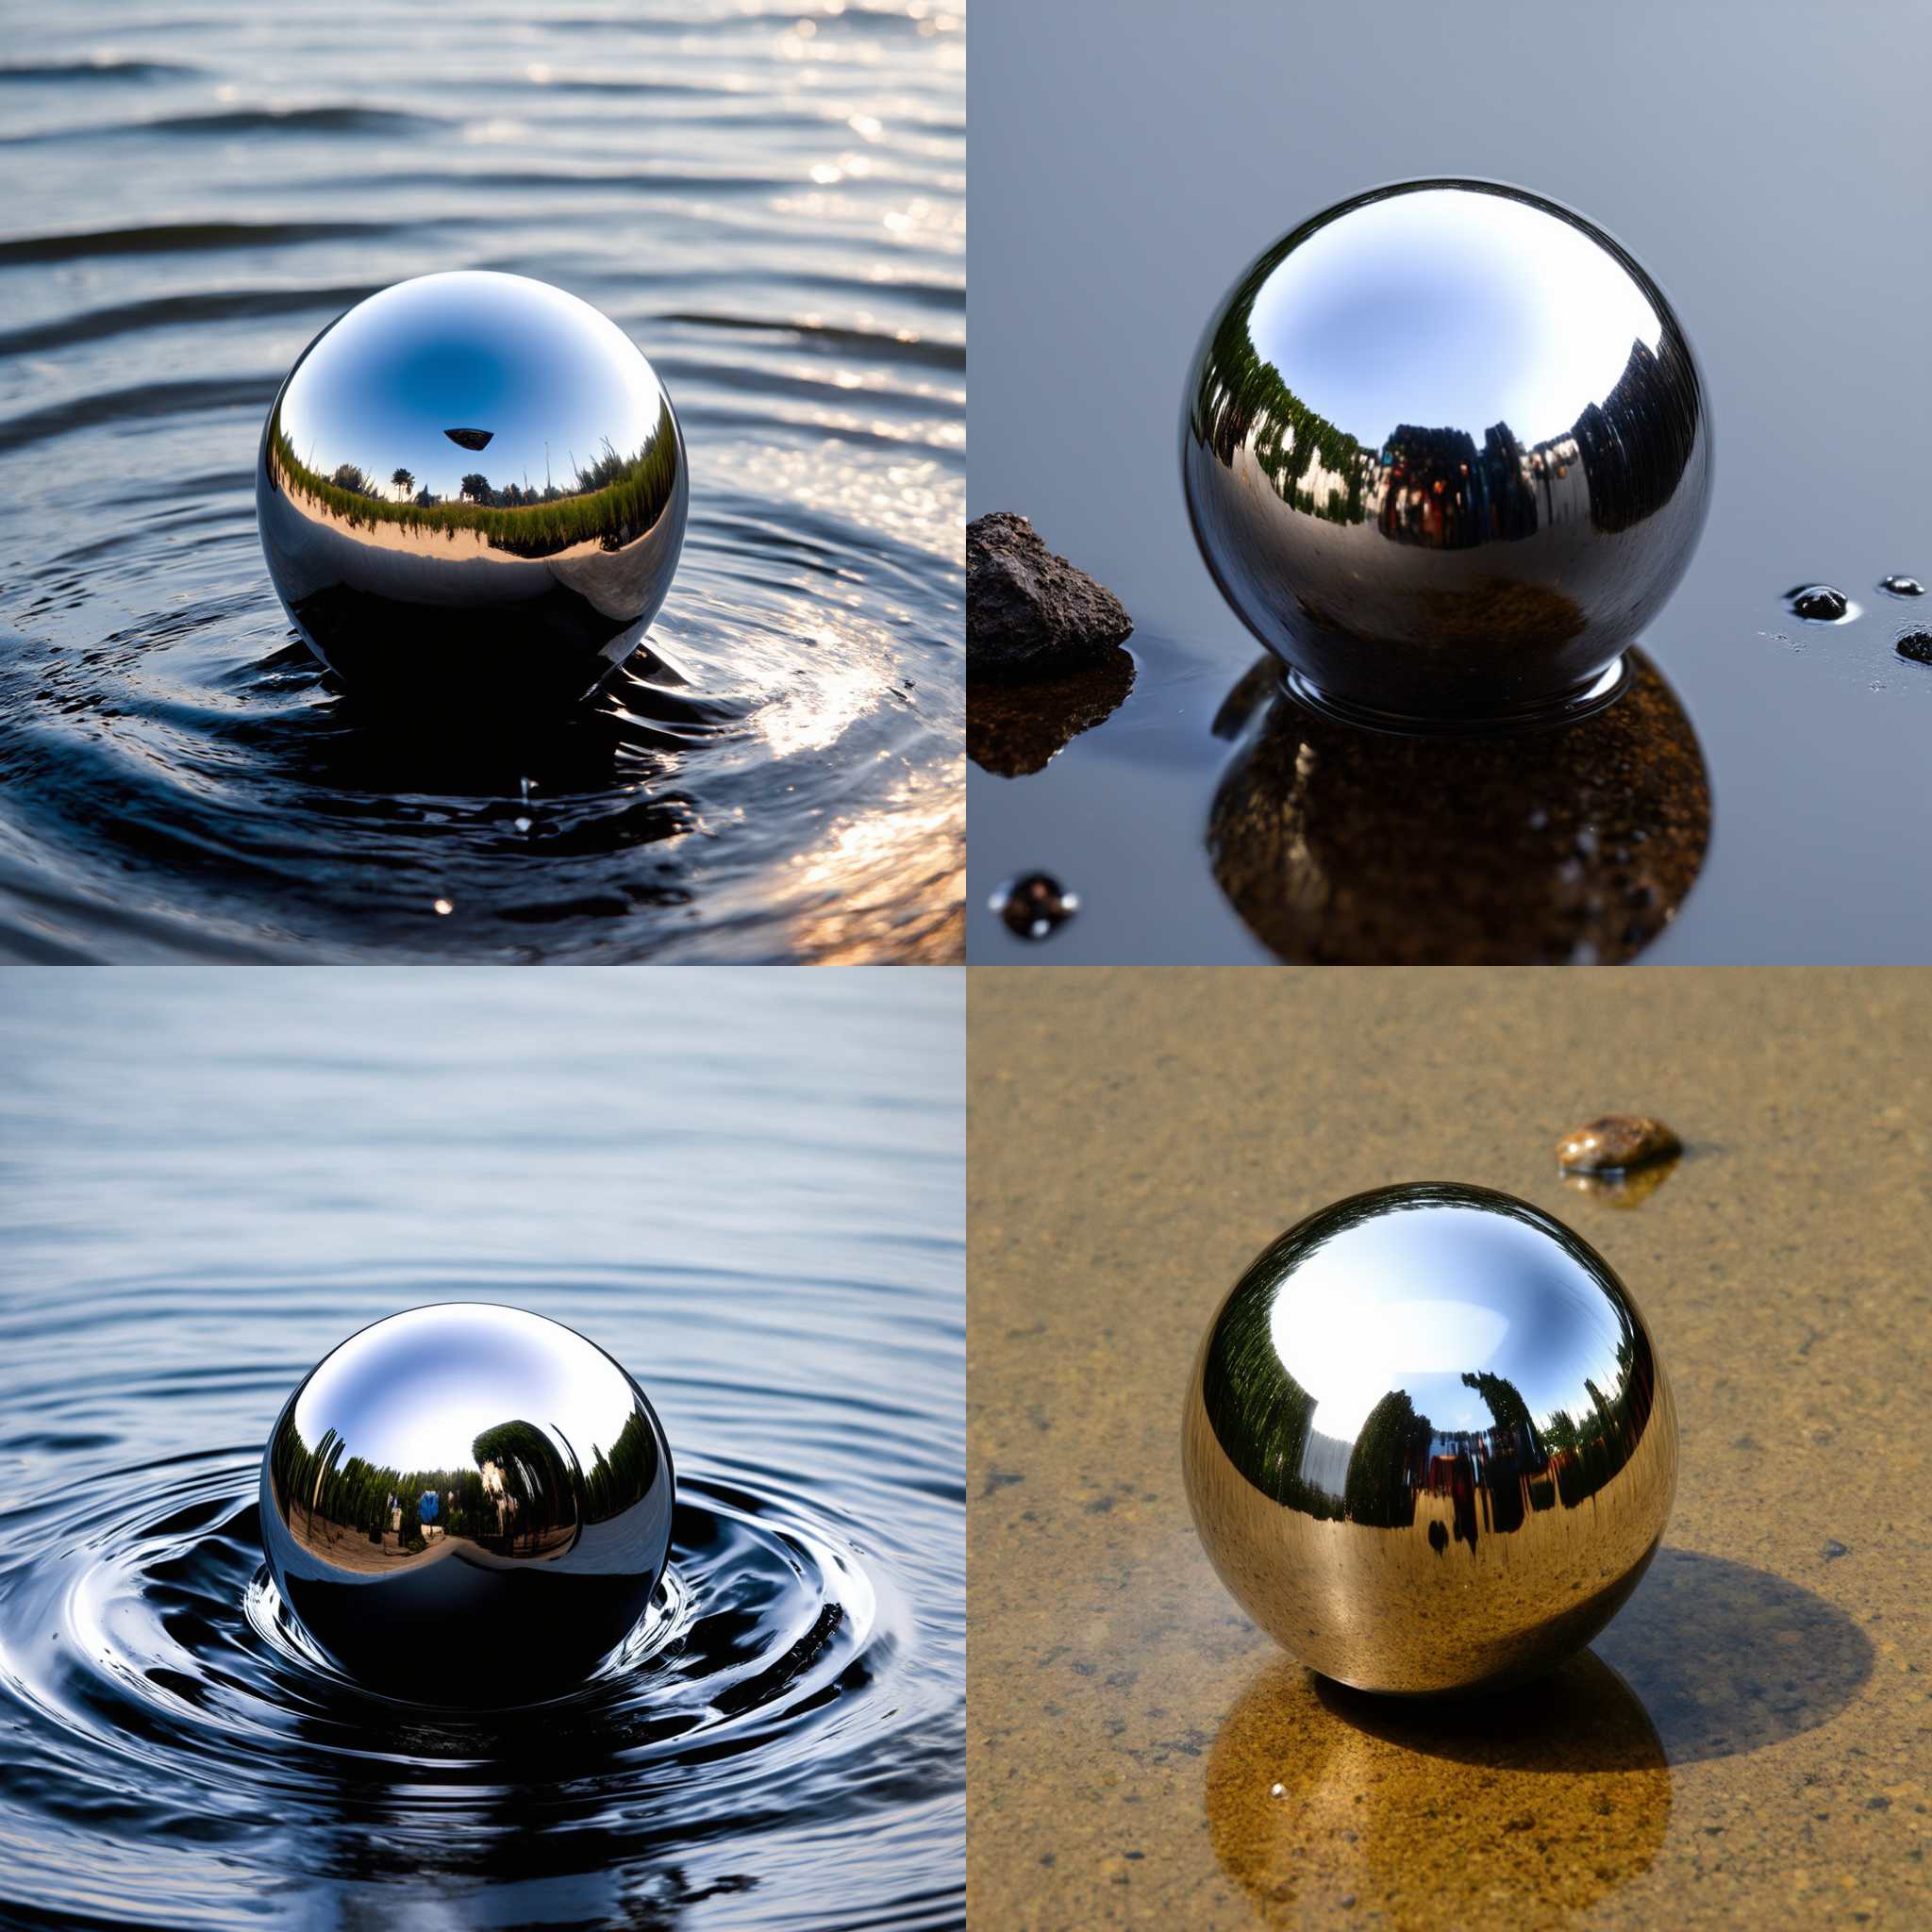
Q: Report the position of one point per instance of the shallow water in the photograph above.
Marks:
(777, 217)
(1764, 177)
(748, 1189)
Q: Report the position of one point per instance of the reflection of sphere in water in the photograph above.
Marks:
(475, 1486)
(472, 489)
(1339, 846)
(1446, 450)
(1016, 728)
(1317, 1797)
(1429, 1443)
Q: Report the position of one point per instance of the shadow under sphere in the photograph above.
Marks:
(1728, 1658)
(1341, 846)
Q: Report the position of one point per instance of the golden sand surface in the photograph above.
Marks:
(1746, 1744)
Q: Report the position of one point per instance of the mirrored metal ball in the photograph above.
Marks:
(472, 490)
(467, 1505)
(1428, 1442)
(1446, 451)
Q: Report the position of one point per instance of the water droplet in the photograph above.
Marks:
(1901, 587)
(1278, 1790)
(1035, 906)
(1917, 645)
(528, 788)
(1818, 604)
(523, 825)
(443, 908)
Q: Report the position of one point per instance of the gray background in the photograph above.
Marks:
(1765, 163)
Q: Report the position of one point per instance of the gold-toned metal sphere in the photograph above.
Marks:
(1428, 1442)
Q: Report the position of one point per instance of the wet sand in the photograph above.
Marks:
(1748, 1741)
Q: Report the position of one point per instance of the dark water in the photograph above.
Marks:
(777, 218)
(1764, 167)
(747, 1187)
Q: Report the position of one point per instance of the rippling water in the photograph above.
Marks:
(747, 1185)
(771, 203)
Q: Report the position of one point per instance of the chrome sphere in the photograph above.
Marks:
(472, 491)
(1446, 451)
(467, 1505)
(1429, 1443)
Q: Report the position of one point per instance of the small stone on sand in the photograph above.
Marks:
(1030, 613)
(1615, 1141)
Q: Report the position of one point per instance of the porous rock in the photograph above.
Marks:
(1030, 613)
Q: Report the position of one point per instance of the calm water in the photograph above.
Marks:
(770, 203)
(1764, 169)
(747, 1185)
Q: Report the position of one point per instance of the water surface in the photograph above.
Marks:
(772, 203)
(1766, 172)
(747, 1187)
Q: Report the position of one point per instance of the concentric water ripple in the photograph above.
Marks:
(163, 1705)
(142, 1628)
(771, 204)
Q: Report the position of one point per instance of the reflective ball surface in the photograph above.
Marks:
(1446, 451)
(467, 1505)
(1428, 1442)
(472, 492)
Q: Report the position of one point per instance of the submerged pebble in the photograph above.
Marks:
(1615, 1141)
(1901, 587)
(1033, 907)
(1818, 602)
(1917, 645)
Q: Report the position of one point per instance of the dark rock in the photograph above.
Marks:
(1029, 612)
